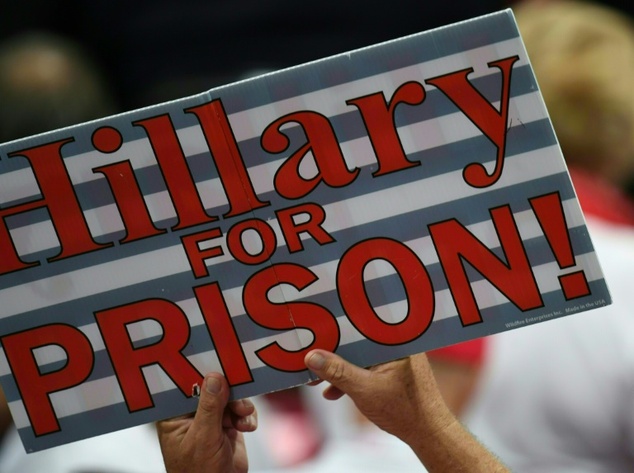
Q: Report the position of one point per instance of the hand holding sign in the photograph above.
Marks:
(211, 440)
(400, 397)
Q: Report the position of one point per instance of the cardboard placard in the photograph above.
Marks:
(379, 203)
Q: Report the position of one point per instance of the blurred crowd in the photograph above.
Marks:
(553, 397)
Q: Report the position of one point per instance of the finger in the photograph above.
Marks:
(240, 415)
(343, 375)
(246, 424)
(174, 424)
(240, 424)
(214, 396)
(332, 393)
(242, 407)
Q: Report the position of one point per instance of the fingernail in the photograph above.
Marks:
(212, 385)
(247, 403)
(316, 361)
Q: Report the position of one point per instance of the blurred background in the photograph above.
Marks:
(152, 51)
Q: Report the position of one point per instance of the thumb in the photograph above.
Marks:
(343, 375)
(214, 397)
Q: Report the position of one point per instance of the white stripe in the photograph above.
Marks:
(92, 280)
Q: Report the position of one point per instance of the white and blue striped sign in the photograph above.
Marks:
(379, 203)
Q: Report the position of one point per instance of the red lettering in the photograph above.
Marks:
(291, 229)
(552, 220)
(266, 237)
(474, 105)
(356, 303)
(128, 360)
(378, 116)
(58, 197)
(173, 165)
(223, 334)
(107, 139)
(129, 200)
(36, 387)
(321, 143)
(226, 154)
(288, 316)
(197, 256)
(455, 244)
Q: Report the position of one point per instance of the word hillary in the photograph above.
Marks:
(377, 113)
(452, 241)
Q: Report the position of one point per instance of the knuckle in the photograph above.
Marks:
(336, 372)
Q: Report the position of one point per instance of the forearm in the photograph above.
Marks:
(420, 418)
(453, 448)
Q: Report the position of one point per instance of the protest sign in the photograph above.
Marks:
(379, 203)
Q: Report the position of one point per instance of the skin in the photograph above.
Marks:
(420, 418)
(457, 381)
(211, 441)
(5, 415)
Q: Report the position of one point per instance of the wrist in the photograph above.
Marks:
(449, 446)
(429, 424)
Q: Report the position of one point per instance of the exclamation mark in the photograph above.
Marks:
(550, 214)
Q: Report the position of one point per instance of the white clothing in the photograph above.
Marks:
(349, 447)
(134, 450)
(371, 450)
(558, 396)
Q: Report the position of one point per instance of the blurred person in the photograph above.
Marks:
(133, 450)
(48, 82)
(400, 397)
(559, 396)
(583, 57)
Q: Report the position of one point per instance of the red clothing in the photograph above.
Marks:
(600, 199)
(469, 353)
